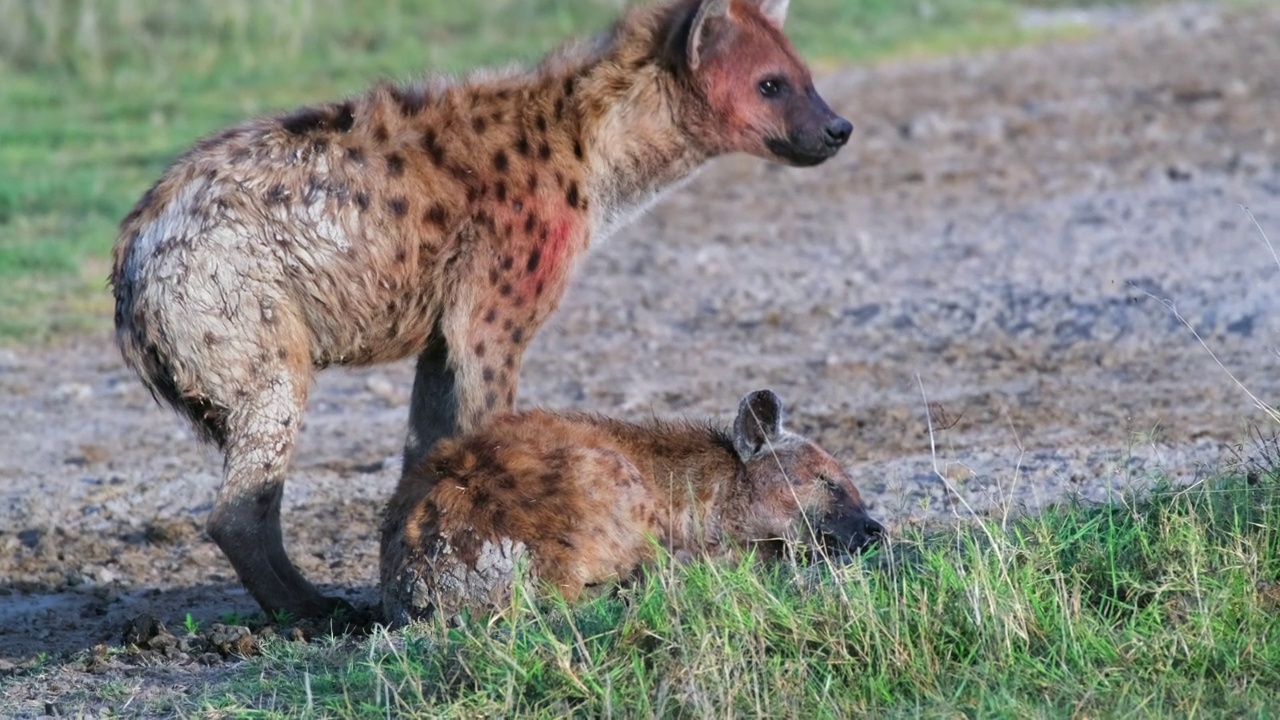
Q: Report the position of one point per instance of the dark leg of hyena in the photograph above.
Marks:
(245, 522)
(470, 369)
(433, 406)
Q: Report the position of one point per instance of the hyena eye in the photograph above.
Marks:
(772, 86)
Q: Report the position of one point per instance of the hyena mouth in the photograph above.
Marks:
(798, 155)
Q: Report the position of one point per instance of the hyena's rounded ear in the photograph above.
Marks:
(758, 424)
(711, 17)
(774, 10)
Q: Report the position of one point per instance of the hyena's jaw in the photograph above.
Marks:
(797, 154)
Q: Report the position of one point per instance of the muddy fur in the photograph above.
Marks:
(440, 219)
(578, 500)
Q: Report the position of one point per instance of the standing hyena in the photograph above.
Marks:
(440, 220)
(579, 497)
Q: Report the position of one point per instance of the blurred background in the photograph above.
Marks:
(97, 96)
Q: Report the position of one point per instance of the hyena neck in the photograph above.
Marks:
(698, 475)
(630, 110)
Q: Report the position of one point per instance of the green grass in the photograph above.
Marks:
(1169, 607)
(97, 96)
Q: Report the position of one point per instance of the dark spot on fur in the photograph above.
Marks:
(305, 120)
(571, 195)
(505, 289)
(517, 205)
(410, 100)
(500, 191)
(537, 291)
(488, 374)
(431, 144)
(544, 151)
(210, 339)
(478, 124)
(356, 155)
(496, 117)
(559, 109)
(493, 276)
(490, 400)
(541, 123)
(565, 541)
(282, 354)
(506, 230)
(334, 118)
(568, 86)
(401, 255)
(522, 145)
(498, 517)
(503, 94)
(344, 117)
(479, 349)
(490, 316)
(319, 145)
(500, 161)
(277, 194)
(535, 255)
(510, 362)
(533, 183)
(508, 324)
(436, 215)
(380, 133)
(577, 148)
(530, 222)
(517, 335)
(395, 164)
(507, 262)
(362, 199)
(398, 206)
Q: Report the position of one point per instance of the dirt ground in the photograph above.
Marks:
(1001, 236)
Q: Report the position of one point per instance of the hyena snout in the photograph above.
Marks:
(848, 528)
(815, 133)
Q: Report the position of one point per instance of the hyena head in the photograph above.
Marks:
(755, 92)
(795, 490)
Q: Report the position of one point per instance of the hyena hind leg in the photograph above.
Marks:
(245, 522)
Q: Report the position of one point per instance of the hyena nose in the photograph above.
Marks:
(870, 534)
(837, 132)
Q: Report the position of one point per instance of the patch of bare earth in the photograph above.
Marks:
(1001, 231)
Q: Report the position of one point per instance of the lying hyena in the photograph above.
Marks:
(579, 497)
(440, 220)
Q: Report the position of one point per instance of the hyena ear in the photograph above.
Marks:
(758, 424)
(774, 10)
(712, 17)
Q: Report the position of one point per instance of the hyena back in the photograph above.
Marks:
(581, 500)
(440, 219)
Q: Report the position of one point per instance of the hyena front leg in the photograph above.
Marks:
(433, 405)
(468, 373)
(245, 522)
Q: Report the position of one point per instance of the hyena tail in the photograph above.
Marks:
(151, 363)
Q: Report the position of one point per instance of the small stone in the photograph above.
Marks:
(382, 389)
(71, 392)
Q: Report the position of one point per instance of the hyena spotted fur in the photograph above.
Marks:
(439, 220)
(577, 501)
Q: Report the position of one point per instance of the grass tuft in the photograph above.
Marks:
(1165, 607)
